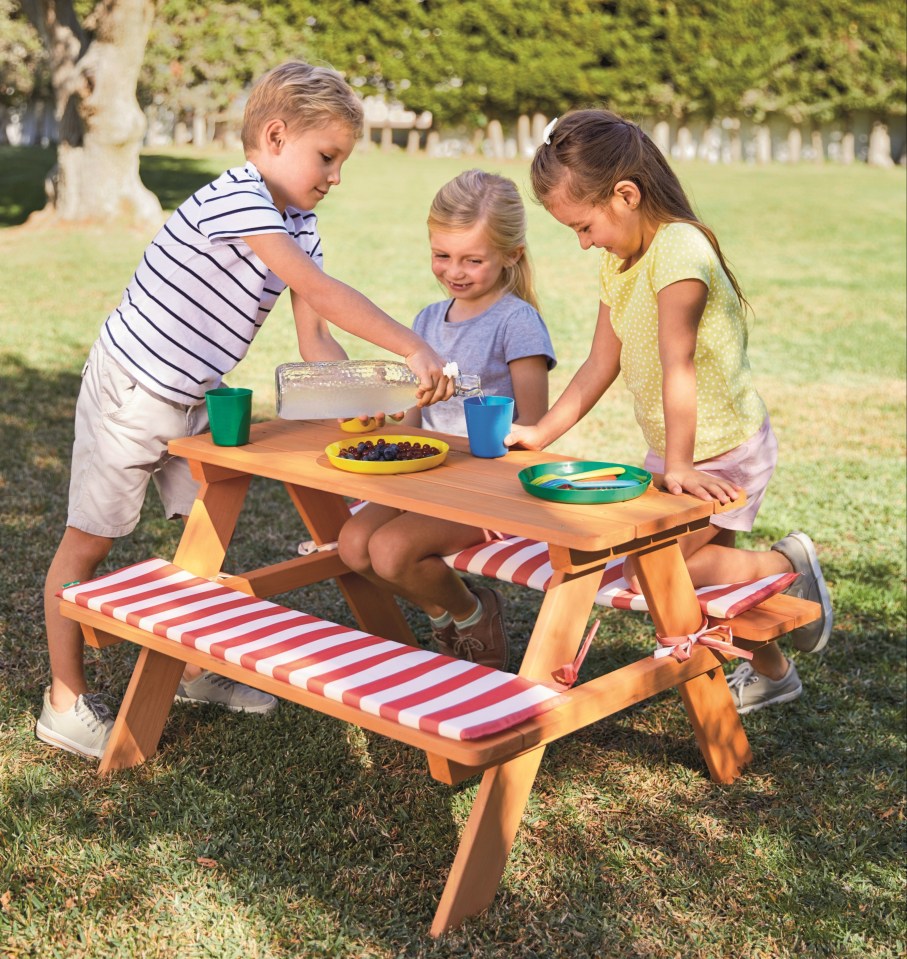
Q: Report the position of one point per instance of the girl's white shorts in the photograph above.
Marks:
(749, 466)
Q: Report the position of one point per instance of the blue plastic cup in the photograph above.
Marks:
(488, 421)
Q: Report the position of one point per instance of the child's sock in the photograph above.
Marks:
(445, 619)
(473, 618)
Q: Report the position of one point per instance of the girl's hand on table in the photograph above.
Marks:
(525, 437)
(700, 484)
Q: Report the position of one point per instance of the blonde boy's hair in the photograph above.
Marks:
(304, 97)
(494, 201)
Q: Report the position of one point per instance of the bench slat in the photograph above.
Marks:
(398, 684)
(756, 610)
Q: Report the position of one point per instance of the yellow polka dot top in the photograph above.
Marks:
(728, 408)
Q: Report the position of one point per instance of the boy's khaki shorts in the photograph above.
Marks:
(121, 435)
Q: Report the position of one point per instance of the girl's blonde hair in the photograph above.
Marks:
(304, 97)
(590, 151)
(494, 201)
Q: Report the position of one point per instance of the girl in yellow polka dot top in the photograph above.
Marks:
(672, 319)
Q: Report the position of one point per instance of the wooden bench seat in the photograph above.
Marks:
(469, 714)
(757, 611)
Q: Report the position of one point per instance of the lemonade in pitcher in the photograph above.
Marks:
(347, 388)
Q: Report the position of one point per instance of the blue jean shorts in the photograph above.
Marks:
(121, 436)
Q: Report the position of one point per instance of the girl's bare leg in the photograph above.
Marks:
(406, 554)
(356, 534)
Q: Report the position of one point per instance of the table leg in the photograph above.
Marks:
(211, 523)
(143, 712)
(675, 611)
(486, 842)
(504, 790)
(375, 610)
(203, 545)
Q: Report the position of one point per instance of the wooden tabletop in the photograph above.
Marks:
(464, 489)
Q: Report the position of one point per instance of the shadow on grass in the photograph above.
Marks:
(307, 821)
(22, 173)
(24, 169)
(173, 178)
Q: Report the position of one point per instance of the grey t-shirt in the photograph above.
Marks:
(508, 330)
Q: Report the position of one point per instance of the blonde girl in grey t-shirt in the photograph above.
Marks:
(489, 325)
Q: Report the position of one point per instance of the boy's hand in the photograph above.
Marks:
(525, 437)
(433, 384)
(700, 484)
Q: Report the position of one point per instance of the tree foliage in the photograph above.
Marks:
(200, 57)
(471, 60)
(23, 62)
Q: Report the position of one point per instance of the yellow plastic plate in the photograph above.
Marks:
(386, 468)
(356, 425)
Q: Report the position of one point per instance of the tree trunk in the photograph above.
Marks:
(94, 78)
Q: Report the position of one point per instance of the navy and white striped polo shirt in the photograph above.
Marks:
(200, 294)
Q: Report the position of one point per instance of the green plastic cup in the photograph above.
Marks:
(230, 415)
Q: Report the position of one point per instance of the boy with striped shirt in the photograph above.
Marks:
(203, 288)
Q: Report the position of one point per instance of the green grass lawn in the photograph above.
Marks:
(296, 835)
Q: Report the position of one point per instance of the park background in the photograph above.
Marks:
(298, 836)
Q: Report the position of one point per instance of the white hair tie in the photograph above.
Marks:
(546, 133)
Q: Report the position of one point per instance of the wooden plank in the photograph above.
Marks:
(99, 638)
(210, 526)
(143, 712)
(467, 752)
(294, 453)
(774, 617)
(289, 575)
(487, 839)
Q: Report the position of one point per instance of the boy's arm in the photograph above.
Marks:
(351, 311)
(316, 344)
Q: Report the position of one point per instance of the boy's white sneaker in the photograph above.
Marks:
(83, 729)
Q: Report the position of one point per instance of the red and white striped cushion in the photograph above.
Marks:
(526, 563)
(414, 687)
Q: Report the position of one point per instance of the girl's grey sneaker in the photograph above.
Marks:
(752, 690)
(798, 549)
(220, 691)
(83, 729)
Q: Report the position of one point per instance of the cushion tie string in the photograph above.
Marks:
(565, 676)
(719, 638)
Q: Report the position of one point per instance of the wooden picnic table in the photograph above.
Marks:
(484, 493)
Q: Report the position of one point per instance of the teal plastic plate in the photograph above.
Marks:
(526, 476)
